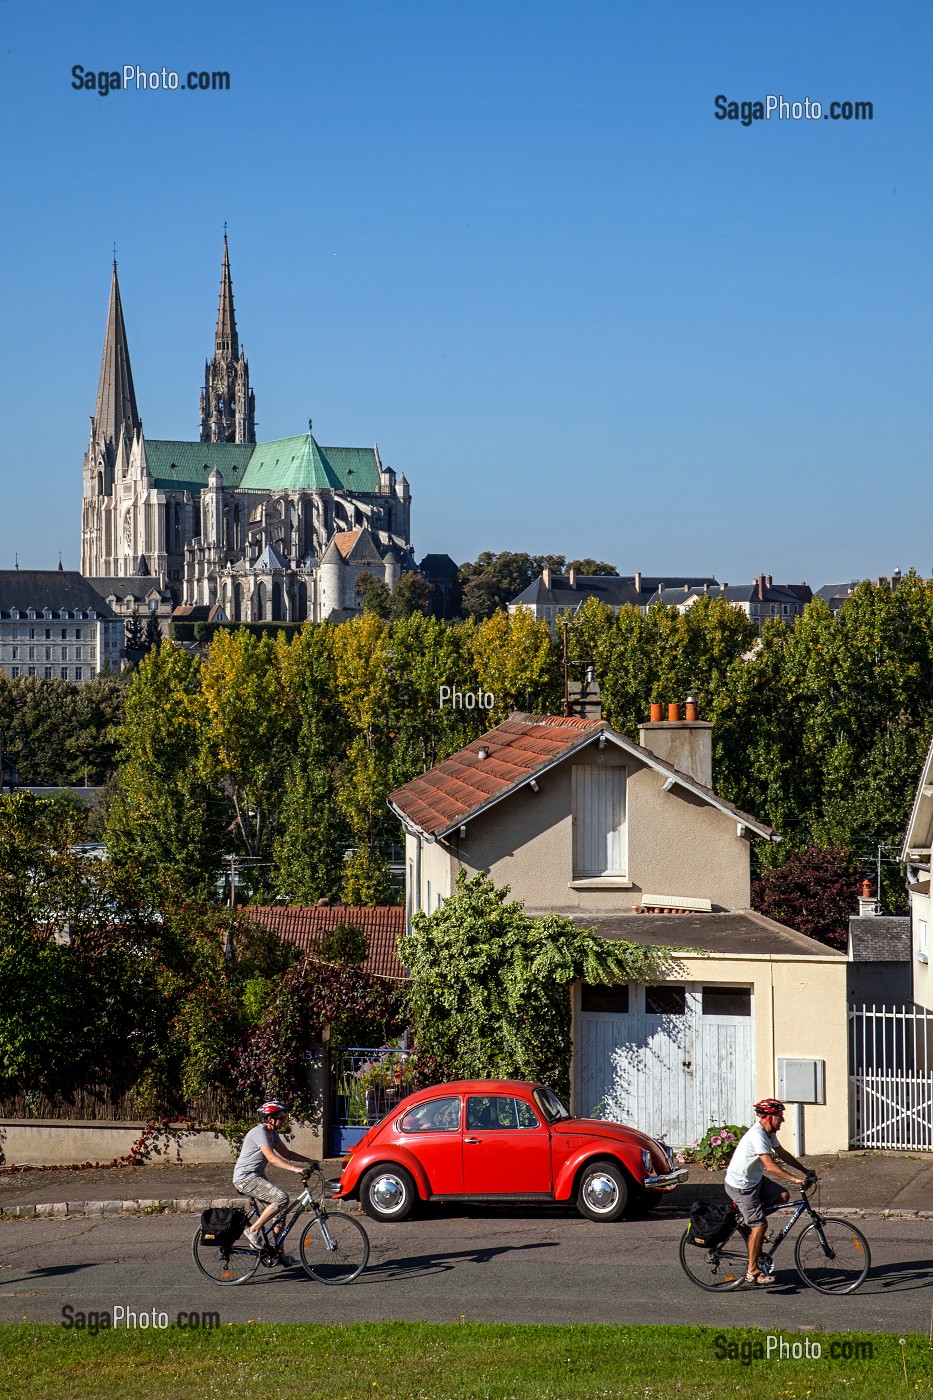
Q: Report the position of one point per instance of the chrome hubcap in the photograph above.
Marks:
(600, 1192)
(387, 1192)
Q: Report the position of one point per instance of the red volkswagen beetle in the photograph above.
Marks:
(494, 1140)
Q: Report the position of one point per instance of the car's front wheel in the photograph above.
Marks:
(602, 1193)
(388, 1193)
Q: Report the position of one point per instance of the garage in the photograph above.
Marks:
(674, 1059)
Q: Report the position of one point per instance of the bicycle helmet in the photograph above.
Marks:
(766, 1106)
(271, 1108)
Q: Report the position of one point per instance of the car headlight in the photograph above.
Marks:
(647, 1162)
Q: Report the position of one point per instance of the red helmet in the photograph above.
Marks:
(273, 1107)
(766, 1106)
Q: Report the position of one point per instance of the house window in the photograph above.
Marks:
(64, 673)
(15, 672)
(48, 673)
(79, 673)
(613, 1000)
(599, 844)
(727, 1001)
(754, 609)
(666, 1001)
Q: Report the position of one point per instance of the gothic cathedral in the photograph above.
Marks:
(275, 531)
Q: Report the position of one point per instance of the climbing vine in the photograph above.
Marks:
(490, 995)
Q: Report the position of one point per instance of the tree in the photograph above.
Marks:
(312, 834)
(592, 568)
(413, 594)
(495, 579)
(814, 891)
(135, 638)
(374, 596)
(164, 820)
(153, 637)
(490, 989)
(516, 660)
(247, 730)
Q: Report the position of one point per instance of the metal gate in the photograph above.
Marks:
(666, 1067)
(366, 1084)
(891, 1077)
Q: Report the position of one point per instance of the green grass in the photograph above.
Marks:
(422, 1361)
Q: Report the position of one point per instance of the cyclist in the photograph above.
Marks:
(758, 1151)
(263, 1145)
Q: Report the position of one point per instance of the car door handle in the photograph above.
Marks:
(472, 1139)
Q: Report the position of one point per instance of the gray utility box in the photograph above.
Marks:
(802, 1081)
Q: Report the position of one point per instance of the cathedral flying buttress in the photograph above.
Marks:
(275, 531)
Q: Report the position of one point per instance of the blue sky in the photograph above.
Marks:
(508, 241)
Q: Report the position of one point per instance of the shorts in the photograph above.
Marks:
(755, 1202)
(262, 1189)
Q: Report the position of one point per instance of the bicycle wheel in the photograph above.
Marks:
(716, 1270)
(222, 1266)
(832, 1256)
(334, 1248)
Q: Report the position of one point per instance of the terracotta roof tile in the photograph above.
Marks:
(464, 783)
(345, 540)
(382, 924)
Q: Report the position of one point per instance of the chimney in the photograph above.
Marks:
(638, 580)
(546, 575)
(868, 906)
(573, 578)
(686, 744)
(761, 586)
(769, 580)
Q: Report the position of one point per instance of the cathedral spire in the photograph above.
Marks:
(225, 339)
(228, 405)
(116, 398)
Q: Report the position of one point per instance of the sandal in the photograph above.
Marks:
(762, 1280)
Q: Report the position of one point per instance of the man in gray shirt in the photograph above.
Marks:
(261, 1146)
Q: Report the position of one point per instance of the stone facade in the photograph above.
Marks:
(226, 519)
(53, 625)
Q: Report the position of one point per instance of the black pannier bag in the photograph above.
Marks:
(222, 1226)
(711, 1226)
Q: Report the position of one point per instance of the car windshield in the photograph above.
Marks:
(549, 1104)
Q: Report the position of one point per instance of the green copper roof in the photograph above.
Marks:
(287, 464)
(186, 466)
(290, 463)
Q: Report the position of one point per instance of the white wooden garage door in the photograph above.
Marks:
(671, 1060)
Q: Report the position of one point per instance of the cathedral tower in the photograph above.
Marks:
(228, 405)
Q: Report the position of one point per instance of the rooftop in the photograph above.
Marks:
(382, 924)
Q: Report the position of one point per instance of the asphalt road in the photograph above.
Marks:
(495, 1265)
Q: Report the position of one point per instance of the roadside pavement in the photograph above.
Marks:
(870, 1183)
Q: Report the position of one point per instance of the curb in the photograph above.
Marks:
(193, 1206)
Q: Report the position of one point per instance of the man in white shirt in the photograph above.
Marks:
(758, 1151)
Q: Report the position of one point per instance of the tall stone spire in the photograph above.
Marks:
(225, 338)
(228, 405)
(116, 398)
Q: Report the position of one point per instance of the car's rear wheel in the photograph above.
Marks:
(602, 1192)
(388, 1193)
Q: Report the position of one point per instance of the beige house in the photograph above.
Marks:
(632, 839)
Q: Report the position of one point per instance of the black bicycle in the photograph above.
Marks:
(333, 1248)
(831, 1255)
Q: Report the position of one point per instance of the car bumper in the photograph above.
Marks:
(667, 1182)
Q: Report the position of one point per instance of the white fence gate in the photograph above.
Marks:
(891, 1077)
